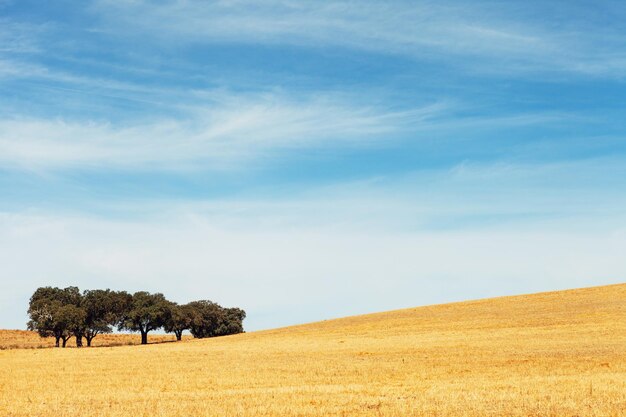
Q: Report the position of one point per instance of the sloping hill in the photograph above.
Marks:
(550, 354)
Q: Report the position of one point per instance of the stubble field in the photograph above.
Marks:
(22, 339)
(550, 354)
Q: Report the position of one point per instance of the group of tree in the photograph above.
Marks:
(64, 313)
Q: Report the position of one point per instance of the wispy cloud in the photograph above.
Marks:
(11, 68)
(365, 154)
(230, 129)
(480, 37)
(219, 130)
(19, 37)
(464, 197)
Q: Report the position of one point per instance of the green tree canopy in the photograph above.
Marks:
(63, 313)
(231, 321)
(205, 318)
(103, 309)
(179, 320)
(145, 313)
(209, 319)
(55, 312)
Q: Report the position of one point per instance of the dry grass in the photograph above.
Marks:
(552, 354)
(22, 339)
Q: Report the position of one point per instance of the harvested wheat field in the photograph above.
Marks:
(22, 339)
(550, 354)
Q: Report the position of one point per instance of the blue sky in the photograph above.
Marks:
(308, 160)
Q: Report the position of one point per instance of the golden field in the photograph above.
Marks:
(550, 354)
(22, 339)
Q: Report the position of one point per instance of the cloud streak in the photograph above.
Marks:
(481, 37)
(311, 159)
(218, 130)
(230, 129)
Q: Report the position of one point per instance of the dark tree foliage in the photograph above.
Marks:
(179, 320)
(145, 313)
(232, 321)
(103, 309)
(63, 313)
(205, 318)
(55, 312)
(209, 319)
(73, 317)
(43, 312)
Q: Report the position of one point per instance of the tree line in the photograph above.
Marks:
(64, 313)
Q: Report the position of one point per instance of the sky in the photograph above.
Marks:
(307, 160)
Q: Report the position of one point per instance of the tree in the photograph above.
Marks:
(72, 315)
(72, 319)
(179, 320)
(63, 313)
(145, 313)
(103, 309)
(209, 319)
(231, 321)
(55, 312)
(42, 309)
(205, 318)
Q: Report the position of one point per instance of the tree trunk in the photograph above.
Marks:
(179, 334)
(65, 341)
(58, 339)
(89, 340)
(144, 338)
(79, 341)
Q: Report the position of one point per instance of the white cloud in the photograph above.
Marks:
(19, 37)
(220, 130)
(16, 69)
(226, 131)
(503, 36)
(377, 244)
